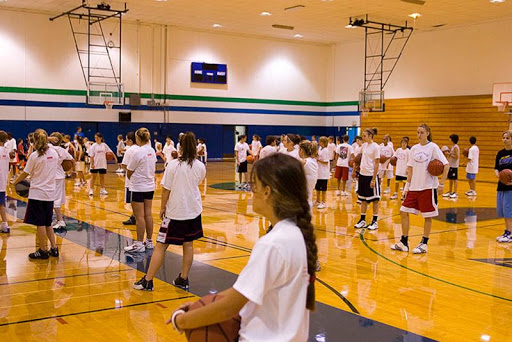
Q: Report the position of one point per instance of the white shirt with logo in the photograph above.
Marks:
(183, 181)
(344, 151)
(388, 151)
(473, 157)
(42, 171)
(370, 153)
(99, 153)
(402, 158)
(242, 151)
(420, 157)
(256, 147)
(143, 164)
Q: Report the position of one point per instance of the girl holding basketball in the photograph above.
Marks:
(276, 290)
(98, 157)
(369, 186)
(504, 195)
(141, 173)
(41, 166)
(180, 211)
(80, 161)
(421, 188)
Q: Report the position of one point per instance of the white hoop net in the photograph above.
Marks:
(108, 104)
(364, 112)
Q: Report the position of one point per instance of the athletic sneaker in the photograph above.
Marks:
(454, 195)
(247, 187)
(337, 192)
(78, 183)
(39, 254)
(59, 224)
(54, 252)
(240, 186)
(344, 193)
(181, 283)
(471, 193)
(373, 226)
(506, 237)
(387, 191)
(360, 224)
(359, 202)
(399, 246)
(91, 192)
(130, 221)
(316, 203)
(394, 196)
(144, 285)
(422, 248)
(135, 247)
(5, 228)
(447, 194)
(119, 170)
(321, 205)
(103, 192)
(149, 244)
(318, 266)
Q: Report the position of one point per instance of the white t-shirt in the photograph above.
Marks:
(324, 170)
(256, 147)
(267, 151)
(275, 281)
(143, 164)
(454, 161)
(63, 155)
(370, 153)
(402, 158)
(343, 150)
(419, 158)
(98, 152)
(203, 146)
(293, 153)
(128, 155)
(167, 151)
(42, 170)
(242, 151)
(388, 152)
(4, 168)
(311, 171)
(473, 157)
(332, 150)
(119, 148)
(158, 146)
(356, 149)
(10, 145)
(183, 181)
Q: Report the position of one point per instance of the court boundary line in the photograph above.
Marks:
(363, 240)
(66, 277)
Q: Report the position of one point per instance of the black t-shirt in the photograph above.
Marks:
(503, 161)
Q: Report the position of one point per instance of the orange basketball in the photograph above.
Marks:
(357, 159)
(435, 167)
(67, 165)
(393, 161)
(250, 159)
(226, 331)
(383, 159)
(351, 163)
(465, 152)
(110, 155)
(505, 176)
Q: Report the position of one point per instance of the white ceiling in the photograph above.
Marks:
(320, 21)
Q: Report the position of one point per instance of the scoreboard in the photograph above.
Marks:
(209, 73)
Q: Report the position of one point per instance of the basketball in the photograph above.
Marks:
(505, 176)
(174, 154)
(465, 152)
(67, 165)
(357, 159)
(250, 159)
(221, 332)
(383, 159)
(12, 154)
(435, 167)
(393, 161)
(110, 155)
(22, 188)
(351, 163)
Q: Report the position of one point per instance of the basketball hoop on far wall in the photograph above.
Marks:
(364, 112)
(108, 104)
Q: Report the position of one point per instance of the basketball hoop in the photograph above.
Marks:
(108, 104)
(364, 112)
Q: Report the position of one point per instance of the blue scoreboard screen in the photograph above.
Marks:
(209, 73)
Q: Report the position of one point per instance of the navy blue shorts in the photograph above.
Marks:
(181, 231)
(140, 197)
(100, 171)
(39, 213)
(2, 198)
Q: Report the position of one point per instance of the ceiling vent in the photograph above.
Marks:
(283, 27)
(416, 2)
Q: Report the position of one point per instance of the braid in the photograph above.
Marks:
(307, 229)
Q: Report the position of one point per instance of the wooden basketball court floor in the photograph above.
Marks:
(460, 291)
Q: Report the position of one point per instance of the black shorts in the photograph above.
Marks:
(242, 168)
(127, 196)
(400, 178)
(453, 173)
(120, 159)
(39, 213)
(181, 231)
(321, 185)
(100, 171)
(365, 192)
(140, 197)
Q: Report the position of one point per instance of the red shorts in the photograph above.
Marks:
(341, 173)
(424, 201)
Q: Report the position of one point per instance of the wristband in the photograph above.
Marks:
(173, 319)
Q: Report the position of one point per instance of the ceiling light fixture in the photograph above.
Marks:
(265, 14)
(415, 15)
(161, 0)
(298, 35)
(496, 1)
(216, 25)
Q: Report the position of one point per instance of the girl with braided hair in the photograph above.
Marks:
(275, 291)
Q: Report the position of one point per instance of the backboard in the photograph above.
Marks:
(98, 93)
(371, 101)
(501, 93)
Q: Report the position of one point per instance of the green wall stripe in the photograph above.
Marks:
(179, 97)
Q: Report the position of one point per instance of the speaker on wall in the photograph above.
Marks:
(125, 116)
(134, 99)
